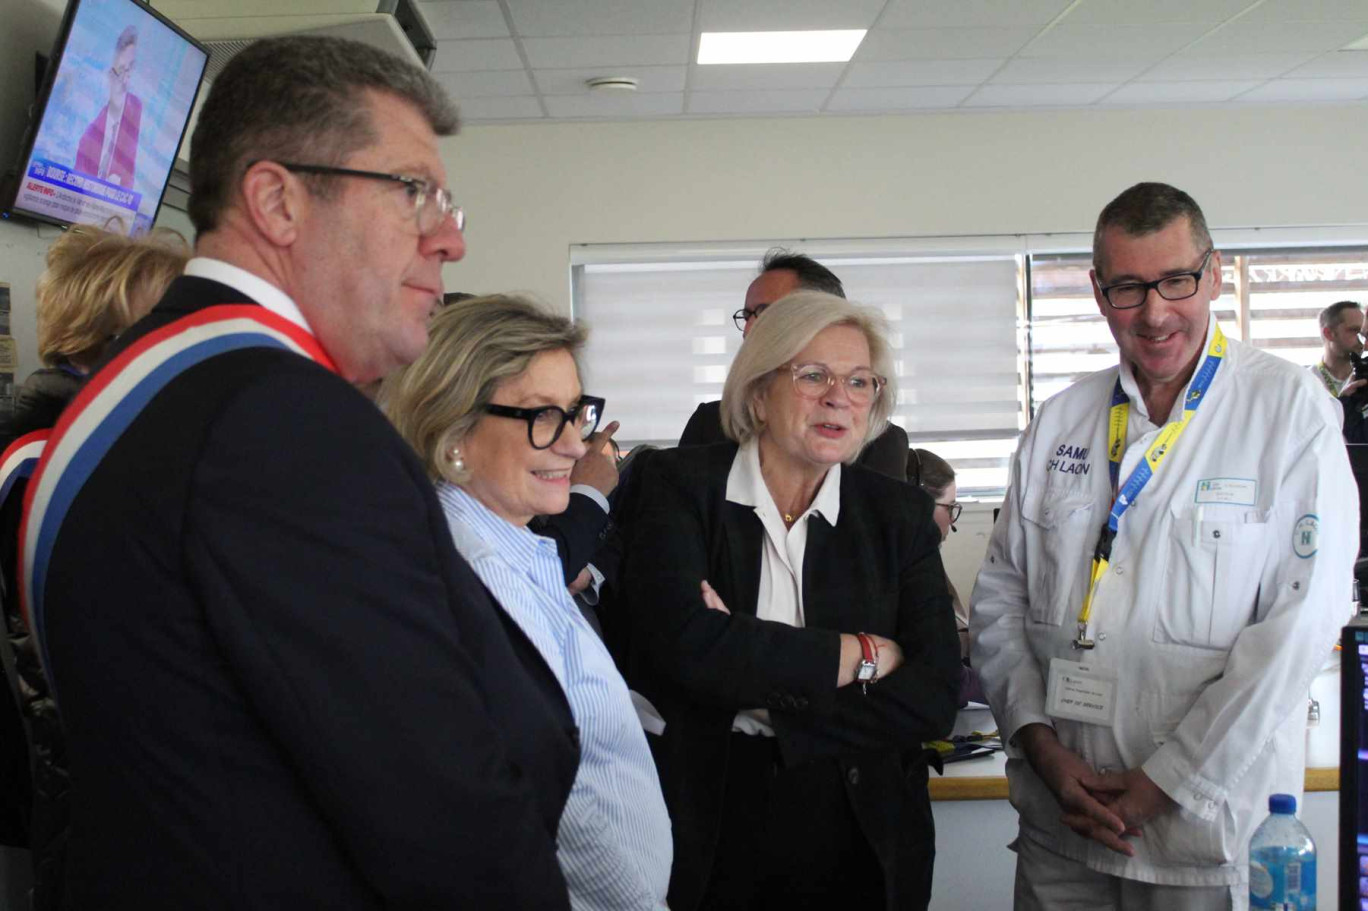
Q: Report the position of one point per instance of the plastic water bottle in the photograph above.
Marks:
(1282, 860)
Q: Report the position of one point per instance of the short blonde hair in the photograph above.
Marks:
(787, 327)
(97, 284)
(473, 346)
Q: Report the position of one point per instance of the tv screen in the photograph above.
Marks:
(111, 114)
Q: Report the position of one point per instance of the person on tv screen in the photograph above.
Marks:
(109, 146)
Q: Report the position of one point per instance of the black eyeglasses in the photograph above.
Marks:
(431, 204)
(953, 508)
(545, 424)
(1129, 295)
(743, 316)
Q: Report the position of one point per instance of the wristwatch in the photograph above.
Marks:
(867, 671)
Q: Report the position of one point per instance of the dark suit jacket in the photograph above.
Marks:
(877, 571)
(579, 533)
(282, 686)
(886, 453)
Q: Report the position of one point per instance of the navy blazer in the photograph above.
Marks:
(282, 686)
(878, 570)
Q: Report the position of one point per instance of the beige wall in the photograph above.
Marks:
(533, 190)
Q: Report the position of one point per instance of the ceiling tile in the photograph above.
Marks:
(1192, 66)
(474, 110)
(1041, 71)
(919, 72)
(767, 76)
(486, 84)
(1309, 90)
(487, 54)
(785, 15)
(1244, 37)
(775, 101)
(1025, 96)
(549, 18)
(452, 19)
(1112, 42)
(1178, 92)
(942, 43)
(649, 79)
(952, 13)
(639, 50)
(1337, 63)
(900, 99)
(634, 105)
(1306, 10)
(1148, 12)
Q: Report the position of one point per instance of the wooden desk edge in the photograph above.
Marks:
(995, 788)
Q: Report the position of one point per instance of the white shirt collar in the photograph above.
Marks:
(746, 486)
(1129, 386)
(253, 286)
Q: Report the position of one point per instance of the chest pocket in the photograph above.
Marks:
(1061, 534)
(1211, 578)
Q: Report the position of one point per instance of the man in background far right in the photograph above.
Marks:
(1169, 571)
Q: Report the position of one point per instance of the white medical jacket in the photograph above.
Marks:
(1228, 582)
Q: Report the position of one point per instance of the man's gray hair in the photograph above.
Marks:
(1144, 209)
(1330, 317)
(788, 326)
(297, 99)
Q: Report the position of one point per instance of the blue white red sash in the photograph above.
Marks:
(109, 403)
(20, 459)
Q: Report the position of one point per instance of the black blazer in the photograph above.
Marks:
(282, 686)
(877, 571)
(886, 453)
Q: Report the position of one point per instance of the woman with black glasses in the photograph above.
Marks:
(934, 475)
(495, 409)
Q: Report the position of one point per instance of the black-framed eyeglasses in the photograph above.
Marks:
(545, 424)
(1181, 286)
(431, 204)
(812, 381)
(744, 315)
(953, 508)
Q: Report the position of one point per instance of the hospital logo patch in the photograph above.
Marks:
(1306, 536)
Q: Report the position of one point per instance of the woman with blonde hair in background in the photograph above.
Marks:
(96, 284)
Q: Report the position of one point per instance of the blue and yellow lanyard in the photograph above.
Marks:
(1118, 420)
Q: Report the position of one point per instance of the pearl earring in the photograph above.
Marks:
(454, 457)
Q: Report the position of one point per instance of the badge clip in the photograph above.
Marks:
(1083, 642)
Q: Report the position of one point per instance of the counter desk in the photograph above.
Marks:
(975, 823)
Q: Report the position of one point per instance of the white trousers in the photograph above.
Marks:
(1045, 881)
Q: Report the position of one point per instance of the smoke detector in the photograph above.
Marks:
(613, 84)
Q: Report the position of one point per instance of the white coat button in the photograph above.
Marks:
(1120, 570)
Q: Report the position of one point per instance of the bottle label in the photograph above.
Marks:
(1282, 882)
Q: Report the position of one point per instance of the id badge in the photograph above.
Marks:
(1081, 692)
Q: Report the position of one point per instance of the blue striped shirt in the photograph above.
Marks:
(614, 843)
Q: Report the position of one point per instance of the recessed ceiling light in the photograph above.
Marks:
(830, 46)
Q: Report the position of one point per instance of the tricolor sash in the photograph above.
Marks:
(20, 459)
(109, 403)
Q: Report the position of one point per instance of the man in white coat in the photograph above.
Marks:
(1169, 571)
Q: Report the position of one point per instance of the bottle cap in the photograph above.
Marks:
(1282, 803)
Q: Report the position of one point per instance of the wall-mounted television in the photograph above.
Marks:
(111, 113)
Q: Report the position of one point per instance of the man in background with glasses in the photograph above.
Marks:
(1169, 571)
(282, 686)
(781, 273)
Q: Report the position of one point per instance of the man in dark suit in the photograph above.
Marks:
(282, 686)
(783, 272)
